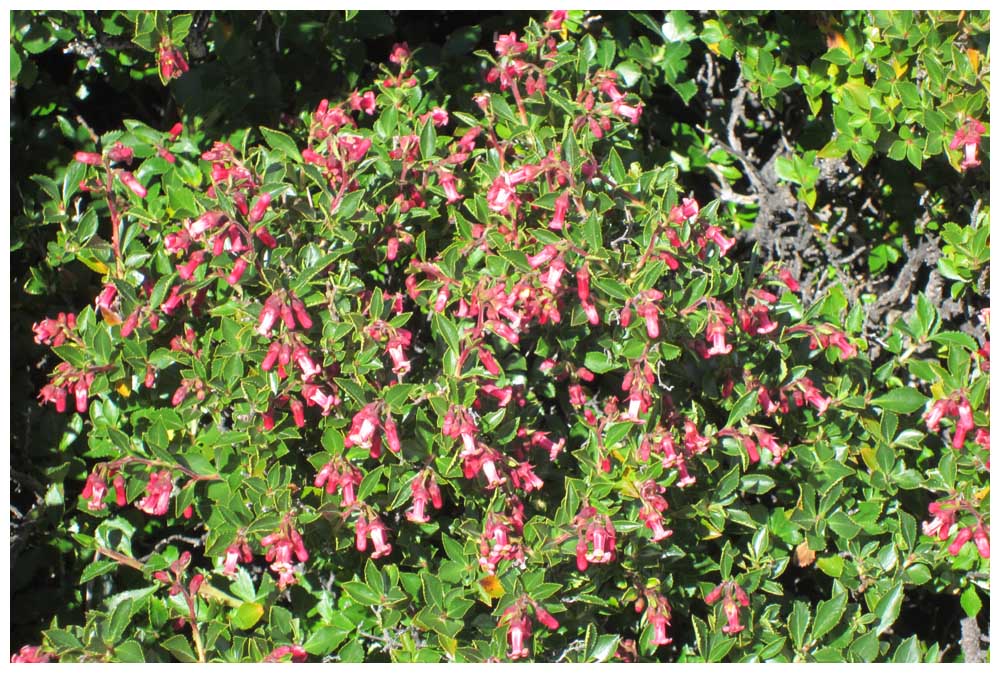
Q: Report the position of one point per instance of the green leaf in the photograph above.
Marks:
(798, 622)
(118, 620)
(281, 142)
(756, 483)
(428, 139)
(677, 27)
(950, 338)
(361, 593)
(843, 526)
(180, 26)
(96, 569)
(831, 565)
(828, 614)
(598, 362)
(63, 640)
(907, 652)
(901, 400)
(129, 652)
(587, 51)
(887, 609)
(864, 648)
(247, 615)
(603, 648)
(971, 602)
(743, 406)
(180, 647)
(324, 640)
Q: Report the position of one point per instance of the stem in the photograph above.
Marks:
(115, 222)
(195, 633)
(193, 476)
(206, 590)
(520, 103)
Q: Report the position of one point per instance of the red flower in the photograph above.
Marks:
(172, 63)
(94, 490)
(968, 137)
(30, 654)
(507, 45)
(158, 490)
(555, 20)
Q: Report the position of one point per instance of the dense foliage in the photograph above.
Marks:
(563, 353)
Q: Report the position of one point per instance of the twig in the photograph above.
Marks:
(206, 590)
(970, 641)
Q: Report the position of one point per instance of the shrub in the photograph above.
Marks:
(423, 379)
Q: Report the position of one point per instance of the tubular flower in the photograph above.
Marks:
(967, 137)
(158, 490)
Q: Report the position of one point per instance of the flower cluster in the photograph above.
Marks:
(733, 598)
(281, 547)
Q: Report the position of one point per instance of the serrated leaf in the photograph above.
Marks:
(598, 362)
(971, 602)
(361, 593)
(428, 139)
(282, 142)
(247, 615)
(743, 406)
(901, 400)
(798, 622)
(324, 640)
(129, 652)
(828, 614)
(887, 609)
(180, 647)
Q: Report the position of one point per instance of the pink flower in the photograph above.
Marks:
(982, 539)
(439, 116)
(306, 364)
(377, 530)
(963, 536)
(120, 153)
(158, 490)
(119, 486)
(400, 53)
(172, 63)
(501, 194)
(555, 20)
(938, 410)
(94, 490)
(91, 159)
(447, 182)
(968, 137)
(786, 277)
(206, 222)
(268, 316)
(391, 435)
(30, 654)
(132, 183)
(964, 424)
(716, 235)
(231, 560)
(715, 331)
(355, 147)
(518, 632)
(259, 208)
(364, 102)
(507, 45)
(546, 618)
(281, 547)
(629, 112)
(363, 428)
(650, 312)
(297, 652)
(561, 208)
